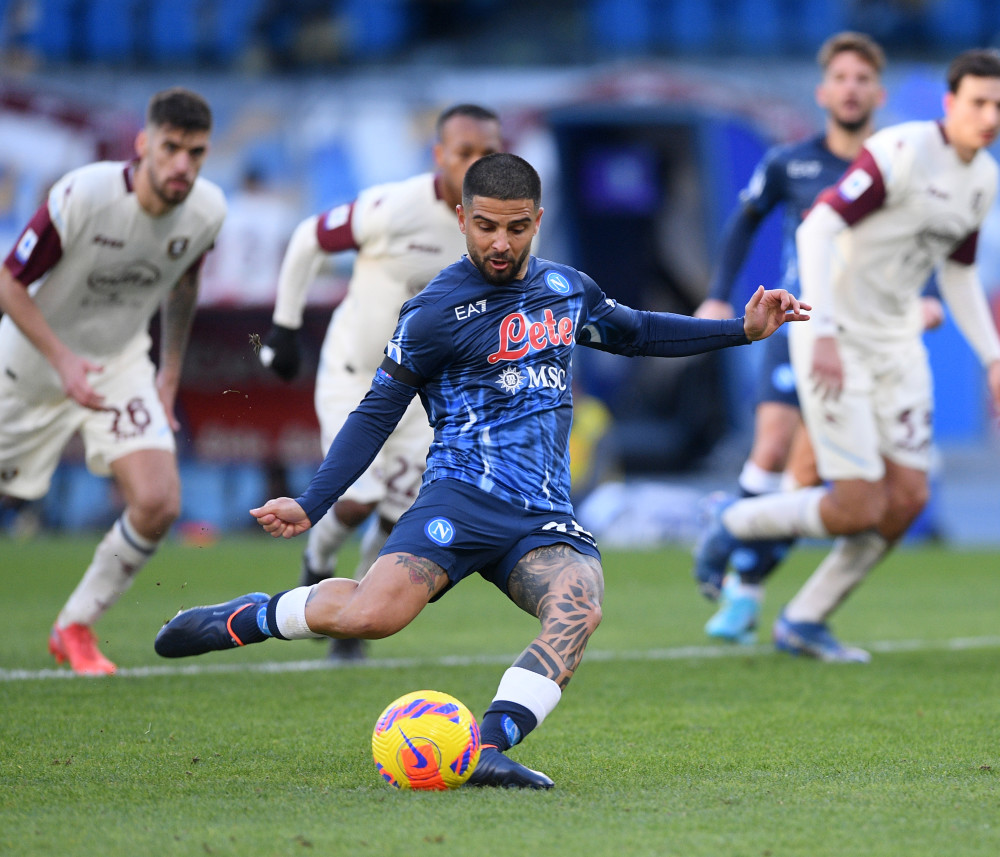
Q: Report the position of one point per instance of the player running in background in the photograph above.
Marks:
(790, 175)
(404, 233)
(488, 347)
(114, 243)
(912, 201)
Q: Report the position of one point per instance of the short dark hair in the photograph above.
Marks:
(180, 108)
(502, 176)
(472, 111)
(849, 41)
(978, 62)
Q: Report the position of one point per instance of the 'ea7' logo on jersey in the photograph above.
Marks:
(463, 312)
(535, 335)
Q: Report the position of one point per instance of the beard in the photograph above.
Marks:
(499, 278)
(170, 197)
(852, 126)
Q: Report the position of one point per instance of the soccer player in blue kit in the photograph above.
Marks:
(791, 176)
(487, 346)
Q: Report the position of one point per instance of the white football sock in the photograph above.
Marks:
(371, 543)
(847, 564)
(755, 480)
(290, 614)
(117, 560)
(782, 515)
(326, 537)
(534, 691)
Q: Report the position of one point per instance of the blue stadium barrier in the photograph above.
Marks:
(174, 31)
(110, 31)
(53, 33)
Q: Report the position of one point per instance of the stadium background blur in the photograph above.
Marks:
(644, 118)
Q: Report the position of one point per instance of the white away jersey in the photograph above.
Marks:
(911, 203)
(405, 235)
(108, 263)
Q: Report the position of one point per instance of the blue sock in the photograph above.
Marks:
(246, 625)
(505, 724)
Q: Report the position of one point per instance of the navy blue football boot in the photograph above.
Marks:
(206, 629)
(495, 769)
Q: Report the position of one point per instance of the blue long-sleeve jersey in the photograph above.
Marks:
(492, 365)
(790, 175)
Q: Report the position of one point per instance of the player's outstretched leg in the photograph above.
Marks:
(815, 640)
(209, 629)
(495, 769)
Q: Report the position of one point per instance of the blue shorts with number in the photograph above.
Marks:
(776, 380)
(466, 530)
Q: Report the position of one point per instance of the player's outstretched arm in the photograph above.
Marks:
(282, 517)
(768, 309)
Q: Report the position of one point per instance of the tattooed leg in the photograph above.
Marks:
(395, 589)
(564, 589)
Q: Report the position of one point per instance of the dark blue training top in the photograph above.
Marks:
(492, 366)
(792, 175)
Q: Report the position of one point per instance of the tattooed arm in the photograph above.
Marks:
(564, 589)
(176, 316)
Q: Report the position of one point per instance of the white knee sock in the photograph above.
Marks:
(535, 692)
(755, 480)
(840, 572)
(788, 514)
(290, 614)
(371, 544)
(118, 559)
(326, 537)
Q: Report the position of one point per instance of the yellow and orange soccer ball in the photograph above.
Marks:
(426, 740)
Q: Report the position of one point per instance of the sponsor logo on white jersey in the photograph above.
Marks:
(854, 184)
(336, 217)
(111, 282)
(26, 245)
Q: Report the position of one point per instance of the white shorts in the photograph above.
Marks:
(36, 424)
(884, 411)
(393, 479)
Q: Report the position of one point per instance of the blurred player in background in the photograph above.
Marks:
(404, 234)
(114, 243)
(488, 347)
(792, 176)
(912, 201)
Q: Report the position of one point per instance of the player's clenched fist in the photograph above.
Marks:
(282, 518)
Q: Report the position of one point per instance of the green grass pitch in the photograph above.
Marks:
(663, 744)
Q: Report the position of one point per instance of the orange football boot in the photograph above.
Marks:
(76, 644)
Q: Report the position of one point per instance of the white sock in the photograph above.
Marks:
(371, 543)
(290, 614)
(326, 537)
(534, 691)
(776, 516)
(755, 480)
(847, 564)
(117, 560)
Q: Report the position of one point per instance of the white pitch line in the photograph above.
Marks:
(675, 654)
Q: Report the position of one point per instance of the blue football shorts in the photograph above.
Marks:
(776, 378)
(466, 530)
